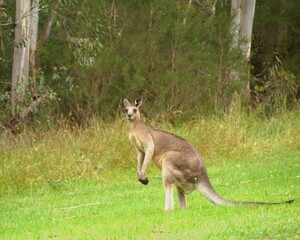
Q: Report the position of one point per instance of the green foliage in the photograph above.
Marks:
(279, 90)
(6, 53)
(84, 51)
(177, 55)
(158, 49)
(279, 39)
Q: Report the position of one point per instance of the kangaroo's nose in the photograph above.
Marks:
(129, 115)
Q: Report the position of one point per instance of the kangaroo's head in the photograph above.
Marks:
(132, 112)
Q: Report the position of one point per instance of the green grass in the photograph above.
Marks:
(74, 183)
(126, 209)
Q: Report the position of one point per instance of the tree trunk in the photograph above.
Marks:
(33, 35)
(47, 29)
(241, 28)
(242, 23)
(236, 22)
(24, 59)
(247, 16)
(20, 73)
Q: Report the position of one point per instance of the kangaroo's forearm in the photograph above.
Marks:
(140, 160)
(148, 156)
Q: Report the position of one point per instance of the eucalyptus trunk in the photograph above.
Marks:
(241, 28)
(242, 24)
(24, 51)
(33, 35)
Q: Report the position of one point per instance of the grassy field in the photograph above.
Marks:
(126, 209)
(55, 184)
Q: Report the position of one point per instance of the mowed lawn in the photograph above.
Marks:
(122, 208)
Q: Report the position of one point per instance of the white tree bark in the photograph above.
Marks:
(20, 71)
(33, 33)
(236, 21)
(26, 31)
(242, 23)
(247, 16)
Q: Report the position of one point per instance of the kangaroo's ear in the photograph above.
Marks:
(138, 102)
(126, 102)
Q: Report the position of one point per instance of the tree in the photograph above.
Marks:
(33, 35)
(26, 30)
(241, 29)
(242, 23)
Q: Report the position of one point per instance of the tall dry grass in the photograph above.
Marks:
(35, 159)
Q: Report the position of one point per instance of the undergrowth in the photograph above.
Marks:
(33, 160)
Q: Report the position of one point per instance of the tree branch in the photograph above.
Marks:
(13, 121)
(29, 109)
(48, 26)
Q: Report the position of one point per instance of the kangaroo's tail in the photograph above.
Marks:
(208, 191)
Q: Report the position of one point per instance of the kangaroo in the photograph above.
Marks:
(181, 164)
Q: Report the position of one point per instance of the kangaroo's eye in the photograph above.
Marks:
(134, 110)
(126, 110)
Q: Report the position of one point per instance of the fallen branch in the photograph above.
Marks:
(73, 217)
(277, 194)
(250, 181)
(244, 182)
(82, 205)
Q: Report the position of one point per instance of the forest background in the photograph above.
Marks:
(178, 55)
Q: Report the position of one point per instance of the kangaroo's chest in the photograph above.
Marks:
(136, 141)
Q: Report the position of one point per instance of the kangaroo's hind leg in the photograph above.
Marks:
(172, 176)
(181, 198)
(169, 201)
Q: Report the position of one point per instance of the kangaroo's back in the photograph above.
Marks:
(170, 144)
